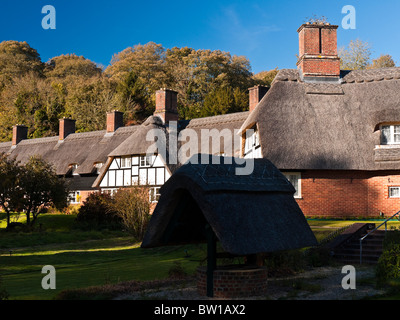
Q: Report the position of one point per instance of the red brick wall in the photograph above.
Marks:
(234, 283)
(318, 50)
(321, 67)
(348, 193)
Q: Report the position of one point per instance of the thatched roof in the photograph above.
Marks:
(329, 126)
(84, 149)
(249, 214)
(218, 126)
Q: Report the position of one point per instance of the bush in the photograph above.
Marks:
(389, 263)
(391, 238)
(176, 271)
(96, 213)
(285, 262)
(132, 206)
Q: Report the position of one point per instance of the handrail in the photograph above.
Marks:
(384, 223)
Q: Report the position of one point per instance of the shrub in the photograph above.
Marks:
(96, 213)
(132, 206)
(3, 293)
(391, 238)
(176, 271)
(285, 262)
(389, 263)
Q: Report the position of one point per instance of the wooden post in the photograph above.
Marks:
(211, 259)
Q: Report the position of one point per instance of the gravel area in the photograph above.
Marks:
(317, 284)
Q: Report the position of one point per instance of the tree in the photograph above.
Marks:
(41, 188)
(18, 59)
(134, 98)
(10, 190)
(356, 56)
(71, 65)
(384, 61)
(265, 78)
(225, 100)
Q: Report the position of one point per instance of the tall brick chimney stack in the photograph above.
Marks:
(167, 105)
(318, 56)
(255, 95)
(115, 119)
(67, 126)
(20, 132)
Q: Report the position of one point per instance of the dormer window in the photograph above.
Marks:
(98, 166)
(252, 147)
(390, 134)
(73, 168)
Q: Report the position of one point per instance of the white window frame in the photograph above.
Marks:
(145, 161)
(392, 188)
(252, 146)
(110, 191)
(298, 194)
(154, 194)
(392, 133)
(126, 162)
(73, 197)
(73, 167)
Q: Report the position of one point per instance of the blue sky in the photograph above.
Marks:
(264, 31)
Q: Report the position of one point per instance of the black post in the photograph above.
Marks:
(211, 260)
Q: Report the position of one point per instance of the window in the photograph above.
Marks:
(295, 179)
(126, 162)
(390, 134)
(73, 168)
(154, 194)
(111, 192)
(98, 166)
(252, 147)
(75, 197)
(145, 161)
(394, 192)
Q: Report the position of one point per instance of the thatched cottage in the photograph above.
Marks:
(334, 134)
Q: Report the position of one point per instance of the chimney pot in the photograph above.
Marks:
(20, 132)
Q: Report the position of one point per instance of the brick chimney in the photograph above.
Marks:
(256, 93)
(318, 57)
(20, 132)
(115, 119)
(167, 105)
(67, 126)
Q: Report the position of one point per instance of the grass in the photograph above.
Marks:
(92, 258)
(82, 258)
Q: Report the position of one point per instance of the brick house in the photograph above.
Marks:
(334, 134)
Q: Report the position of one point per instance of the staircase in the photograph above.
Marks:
(349, 252)
(345, 248)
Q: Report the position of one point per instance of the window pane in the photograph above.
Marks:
(394, 192)
(294, 179)
(385, 135)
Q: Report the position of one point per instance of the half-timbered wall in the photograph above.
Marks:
(135, 170)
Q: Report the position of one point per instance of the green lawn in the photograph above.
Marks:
(88, 258)
(82, 258)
